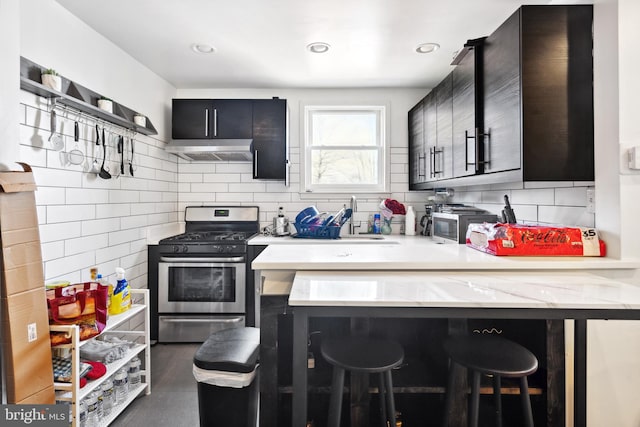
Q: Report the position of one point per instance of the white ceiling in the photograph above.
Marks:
(261, 43)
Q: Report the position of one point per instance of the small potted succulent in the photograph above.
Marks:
(105, 104)
(51, 79)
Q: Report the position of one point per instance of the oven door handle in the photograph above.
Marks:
(209, 260)
(202, 320)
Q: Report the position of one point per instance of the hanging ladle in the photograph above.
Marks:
(104, 173)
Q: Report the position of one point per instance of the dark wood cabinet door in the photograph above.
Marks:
(444, 117)
(269, 139)
(430, 135)
(557, 93)
(417, 159)
(231, 119)
(191, 119)
(502, 106)
(464, 117)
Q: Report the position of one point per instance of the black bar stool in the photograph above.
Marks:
(365, 355)
(495, 356)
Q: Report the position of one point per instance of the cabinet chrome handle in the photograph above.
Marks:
(215, 122)
(235, 319)
(206, 122)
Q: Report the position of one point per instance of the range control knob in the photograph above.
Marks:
(185, 248)
(176, 249)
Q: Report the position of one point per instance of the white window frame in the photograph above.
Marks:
(382, 147)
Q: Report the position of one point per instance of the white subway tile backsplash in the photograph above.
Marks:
(59, 231)
(255, 187)
(67, 213)
(125, 236)
(112, 253)
(82, 196)
(219, 177)
(113, 210)
(100, 226)
(52, 250)
(67, 264)
(564, 215)
(190, 177)
(532, 197)
(209, 187)
(571, 196)
(245, 167)
(124, 196)
(50, 196)
(136, 221)
(234, 197)
(57, 177)
(85, 244)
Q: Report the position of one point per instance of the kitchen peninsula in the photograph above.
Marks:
(401, 266)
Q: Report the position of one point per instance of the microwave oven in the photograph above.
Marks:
(452, 227)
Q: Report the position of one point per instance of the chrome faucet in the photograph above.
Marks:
(354, 208)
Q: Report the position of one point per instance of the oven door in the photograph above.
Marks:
(201, 285)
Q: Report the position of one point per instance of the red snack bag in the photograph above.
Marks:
(83, 304)
(534, 240)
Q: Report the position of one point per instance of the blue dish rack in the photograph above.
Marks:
(325, 230)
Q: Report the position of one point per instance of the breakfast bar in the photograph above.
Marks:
(557, 295)
(413, 280)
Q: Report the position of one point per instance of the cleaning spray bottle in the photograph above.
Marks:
(121, 299)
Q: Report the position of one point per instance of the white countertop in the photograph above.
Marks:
(568, 290)
(409, 253)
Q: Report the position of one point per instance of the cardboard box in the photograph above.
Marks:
(19, 233)
(43, 397)
(26, 348)
(26, 344)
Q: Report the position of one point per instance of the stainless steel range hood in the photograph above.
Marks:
(210, 150)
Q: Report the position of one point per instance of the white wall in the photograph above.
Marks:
(614, 346)
(9, 83)
(86, 221)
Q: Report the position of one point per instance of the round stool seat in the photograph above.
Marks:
(490, 354)
(362, 354)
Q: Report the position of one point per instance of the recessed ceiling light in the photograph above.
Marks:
(427, 47)
(202, 48)
(318, 47)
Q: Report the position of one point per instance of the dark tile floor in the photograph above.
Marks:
(174, 394)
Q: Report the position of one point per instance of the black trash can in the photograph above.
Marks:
(226, 368)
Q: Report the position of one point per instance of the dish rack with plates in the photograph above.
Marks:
(328, 228)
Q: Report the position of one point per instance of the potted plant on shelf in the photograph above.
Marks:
(105, 104)
(51, 79)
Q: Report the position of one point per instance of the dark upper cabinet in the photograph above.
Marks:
(443, 150)
(522, 103)
(417, 156)
(270, 139)
(538, 73)
(467, 110)
(211, 119)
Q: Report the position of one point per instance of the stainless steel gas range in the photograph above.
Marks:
(202, 273)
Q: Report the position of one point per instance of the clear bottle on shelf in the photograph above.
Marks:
(108, 396)
(120, 385)
(82, 413)
(92, 410)
(134, 372)
(98, 395)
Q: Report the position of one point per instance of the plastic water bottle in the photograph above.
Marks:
(92, 410)
(134, 372)
(82, 413)
(120, 385)
(108, 396)
(410, 222)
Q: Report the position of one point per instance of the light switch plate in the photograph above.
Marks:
(591, 200)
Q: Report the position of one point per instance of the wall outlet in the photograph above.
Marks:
(32, 332)
(591, 200)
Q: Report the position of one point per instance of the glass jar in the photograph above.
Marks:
(108, 396)
(92, 410)
(120, 385)
(134, 372)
